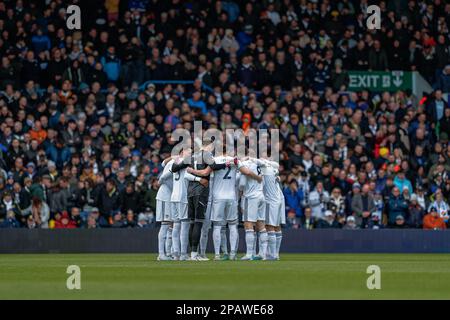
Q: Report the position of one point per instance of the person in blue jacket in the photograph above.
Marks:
(111, 64)
(294, 197)
(400, 181)
(41, 42)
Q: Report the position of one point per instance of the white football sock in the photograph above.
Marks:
(204, 238)
(176, 238)
(234, 237)
(272, 248)
(223, 242)
(169, 241)
(184, 236)
(162, 239)
(279, 236)
(217, 239)
(263, 241)
(250, 241)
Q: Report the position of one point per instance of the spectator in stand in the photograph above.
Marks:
(415, 213)
(63, 221)
(308, 222)
(363, 206)
(75, 105)
(292, 221)
(433, 221)
(329, 221)
(318, 200)
(440, 205)
(397, 207)
(294, 198)
(350, 224)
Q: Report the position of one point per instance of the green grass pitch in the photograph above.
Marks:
(296, 276)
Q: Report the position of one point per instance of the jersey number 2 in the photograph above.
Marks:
(227, 175)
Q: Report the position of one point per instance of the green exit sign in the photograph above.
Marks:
(380, 81)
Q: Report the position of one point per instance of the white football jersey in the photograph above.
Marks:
(165, 183)
(224, 181)
(251, 187)
(180, 187)
(271, 185)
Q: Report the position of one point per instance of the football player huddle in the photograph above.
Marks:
(199, 192)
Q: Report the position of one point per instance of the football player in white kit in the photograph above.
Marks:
(179, 208)
(275, 208)
(253, 208)
(224, 206)
(163, 212)
(224, 201)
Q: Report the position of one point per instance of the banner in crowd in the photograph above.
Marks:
(380, 81)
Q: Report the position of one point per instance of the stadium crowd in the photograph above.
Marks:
(82, 139)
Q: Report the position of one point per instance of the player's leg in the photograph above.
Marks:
(263, 239)
(261, 229)
(217, 218)
(232, 219)
(272, 220)
(279, 237)
(217, 239)
(184, 231)
(249, 218)
(205, 232)
(223, 232)
(224, 242)
(162, 234)
(163, 216)
(278, 232)
(176, 231)
(169, 240)
(201, 203)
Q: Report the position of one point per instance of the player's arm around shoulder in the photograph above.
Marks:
(180, 164)
(245, 170)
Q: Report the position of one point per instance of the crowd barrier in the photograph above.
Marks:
(294, 241)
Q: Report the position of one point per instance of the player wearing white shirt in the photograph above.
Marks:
(179, 209)
(224, 206)
(163, 210)
(253, 208)
(275, 215)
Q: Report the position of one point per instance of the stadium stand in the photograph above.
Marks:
(86, 116)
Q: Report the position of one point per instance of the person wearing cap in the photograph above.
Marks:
(400, 222)
(415, 213)
(350, 224)
(433, 221)
(142, 221)
(30, 172)
(375, 222)
(329, 221)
